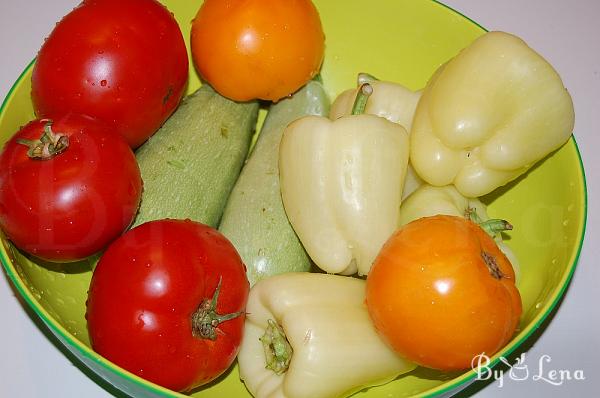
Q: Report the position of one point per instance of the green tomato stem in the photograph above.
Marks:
(206, 320)
(48, 145)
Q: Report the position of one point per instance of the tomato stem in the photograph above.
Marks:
(278, 351)
(360, 103)
(48, 145)
(206, 320)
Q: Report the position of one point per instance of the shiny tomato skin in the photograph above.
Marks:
(249, 49)
(435, 301)
(144, 291)
(124, 62)
(73, 205)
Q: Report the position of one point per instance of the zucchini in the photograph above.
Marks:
(254, 219)
(190, 165)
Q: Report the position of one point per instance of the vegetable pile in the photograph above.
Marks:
(344, 248)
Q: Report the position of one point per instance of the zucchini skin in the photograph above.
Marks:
(254, 219)
(190, 165)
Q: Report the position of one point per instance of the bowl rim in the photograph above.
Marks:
(451, 386)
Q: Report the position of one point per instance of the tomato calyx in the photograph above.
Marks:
(48, 145)
(490, 262)
(206, 320)
(278, 351)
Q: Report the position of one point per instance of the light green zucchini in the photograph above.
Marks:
(190, 165)
(254, 219)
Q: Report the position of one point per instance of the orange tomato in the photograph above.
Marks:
(441, 292)
(248, 49)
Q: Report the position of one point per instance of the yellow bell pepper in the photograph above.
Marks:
(429, 201)
(341, 185)
(488, 115)
(310, 336)
(389, 100)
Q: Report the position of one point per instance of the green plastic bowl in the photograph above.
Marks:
(404, 41)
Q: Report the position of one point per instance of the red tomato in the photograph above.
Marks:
(441, 292)
(249, 49)
(124, 62)
(75, 203)
(167, 302)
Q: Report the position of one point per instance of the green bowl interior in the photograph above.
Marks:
(403, 41)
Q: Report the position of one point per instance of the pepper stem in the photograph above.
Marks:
(363, 78)
(48, 145)
(206, 320)
(360, 103)
(278, 351)
(493, 227)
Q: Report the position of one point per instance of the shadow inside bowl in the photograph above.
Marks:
(74, 267)
(501, 191)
